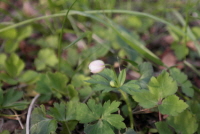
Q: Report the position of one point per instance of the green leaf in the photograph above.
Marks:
(187, 88)
(130, 131)
(40, 124)
(194, 107)
(163, 128)
(29, 77)
(14, 65)
(122, 77)
(8, 79)
(2, 60)
(72, 93)
(85, 114)
(102, 80)
(78, 80)
(73, 56)
(178, 75)
(101, 127)
(131, 87)
(183, 81)
(65, 112)
(172, 106)
(51, 41)
(58, 82)
(146, 71)
(11, 46)
(163, 85)
(24, 32)
(180, 51)
(184, 123)
(8, 34)
(110, 107)
(102, 114)
(145, 98)
(10, 100)
(115, 120)
(42, 85)
(46, 57)
(66, 126)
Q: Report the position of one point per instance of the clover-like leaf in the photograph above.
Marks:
(29, 77)
(58, 81)
(172, 106)
(46, 57)
(14, 65)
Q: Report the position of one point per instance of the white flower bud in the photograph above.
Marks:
(96, 66)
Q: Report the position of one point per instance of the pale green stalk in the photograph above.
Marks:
(126, 99)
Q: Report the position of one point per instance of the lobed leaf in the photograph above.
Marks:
(109, 108)
(163, 128)
(40, 124)
(101, 127)
(172, 106)
(14, 65)
(46, 57)
(115, 120)
(180, 122)
(145, 98)
(163, 85)
(183, 81)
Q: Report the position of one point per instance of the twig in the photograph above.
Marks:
(18, 119)
(29, 113)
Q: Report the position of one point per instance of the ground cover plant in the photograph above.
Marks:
(99, 67)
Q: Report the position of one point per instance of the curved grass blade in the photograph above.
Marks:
(79, 38)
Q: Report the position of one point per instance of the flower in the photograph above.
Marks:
(96, 66)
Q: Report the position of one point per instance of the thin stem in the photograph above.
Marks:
(18, 119)
(29, 113)
(125, 97)
(160, 117)
(61, 34)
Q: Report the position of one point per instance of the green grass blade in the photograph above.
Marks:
(79, 38)
(61, 34)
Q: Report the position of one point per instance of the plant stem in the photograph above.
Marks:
(67, 128)
(126, 99)
(61, 34)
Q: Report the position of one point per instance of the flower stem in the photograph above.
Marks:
(126, 99)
